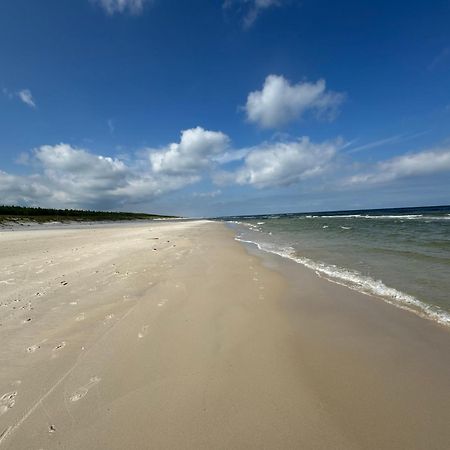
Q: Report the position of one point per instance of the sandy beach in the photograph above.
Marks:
(172, 335)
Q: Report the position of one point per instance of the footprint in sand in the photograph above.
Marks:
(108, 318)
(7, 401)
(60, 346)
(80, 317)
(83, 390)
(143, 332)
(33, 348)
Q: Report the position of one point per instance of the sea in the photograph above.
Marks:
(400, 255)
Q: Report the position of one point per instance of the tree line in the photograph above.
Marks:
(45, 214)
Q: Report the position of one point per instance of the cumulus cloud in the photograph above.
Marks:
(66, 176)
(16, 189)
(280, 102)
(195, 152)
(424, 163)
(134, 7)
(282, 163)
(252, 8)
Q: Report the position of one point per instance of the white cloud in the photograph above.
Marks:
(26, 97)
(282, 163)
(375, 144)
(424, 163)
(280, 102)
(66, 176)
(232, 155)
(122, 6)
(195, 152)
(383, 142)
(16, 189)
(253, 8)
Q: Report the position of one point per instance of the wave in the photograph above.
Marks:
(367, 216)
(359, 282)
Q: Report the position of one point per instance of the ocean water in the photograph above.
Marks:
(399, 255)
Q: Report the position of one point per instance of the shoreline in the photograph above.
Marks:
(398, 298)
(381, 359)
(174, 335)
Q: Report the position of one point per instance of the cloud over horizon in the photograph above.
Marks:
(71, 177)
(279, 102)
(418, 164)
(67, 176)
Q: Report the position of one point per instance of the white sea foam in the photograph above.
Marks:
(397, 216)
(356, 281)
(378, 217)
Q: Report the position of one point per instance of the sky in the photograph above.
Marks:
(224, 107)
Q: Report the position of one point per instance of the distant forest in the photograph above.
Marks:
(13, 213)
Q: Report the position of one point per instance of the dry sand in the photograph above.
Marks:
(173, 336)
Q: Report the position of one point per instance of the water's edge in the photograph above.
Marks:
(357, 282)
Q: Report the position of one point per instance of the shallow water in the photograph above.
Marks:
(401, 255)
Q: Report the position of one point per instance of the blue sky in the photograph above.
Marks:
(209, 108)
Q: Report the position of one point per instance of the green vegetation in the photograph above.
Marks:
(42, 215)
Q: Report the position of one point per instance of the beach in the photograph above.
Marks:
(173, 335)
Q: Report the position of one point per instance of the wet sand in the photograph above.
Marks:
(173, 336)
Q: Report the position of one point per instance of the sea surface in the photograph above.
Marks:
(400, 255)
